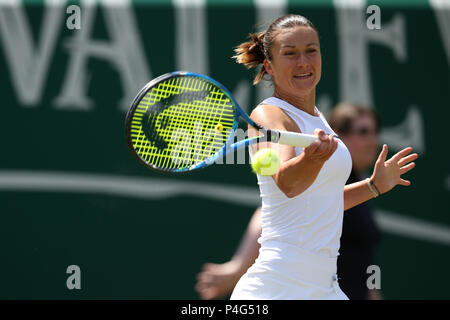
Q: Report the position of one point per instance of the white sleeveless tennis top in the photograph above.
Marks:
(300, 235)
(313, 219)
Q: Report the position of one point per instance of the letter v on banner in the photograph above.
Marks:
(28, 64)
(441, 9)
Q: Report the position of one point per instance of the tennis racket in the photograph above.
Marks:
(183, 121)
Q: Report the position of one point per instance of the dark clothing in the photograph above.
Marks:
(360, 236)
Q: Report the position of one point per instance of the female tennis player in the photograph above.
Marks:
(304, 201)
(357, 126)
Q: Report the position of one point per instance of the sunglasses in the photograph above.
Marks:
(365, 131)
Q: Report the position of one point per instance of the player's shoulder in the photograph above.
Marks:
(267, 111)
(273, 117)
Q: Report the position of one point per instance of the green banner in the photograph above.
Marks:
(71, 194)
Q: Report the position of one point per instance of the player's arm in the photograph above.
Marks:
(386, 175)
(356, 193)
(296, 173)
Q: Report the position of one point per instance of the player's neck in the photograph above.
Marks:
(305, 102)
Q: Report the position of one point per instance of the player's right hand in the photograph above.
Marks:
(321, 151)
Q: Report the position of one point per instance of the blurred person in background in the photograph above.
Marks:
(358, 128)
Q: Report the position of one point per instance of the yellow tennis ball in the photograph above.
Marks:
(266, 162)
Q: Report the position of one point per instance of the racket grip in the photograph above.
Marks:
(296, 139)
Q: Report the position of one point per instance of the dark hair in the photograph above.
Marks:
(342, 117)
(253, 52)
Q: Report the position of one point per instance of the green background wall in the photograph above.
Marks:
(68, 183)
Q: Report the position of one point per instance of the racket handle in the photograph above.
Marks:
(296, 139)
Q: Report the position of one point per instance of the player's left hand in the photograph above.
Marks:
(387, 174)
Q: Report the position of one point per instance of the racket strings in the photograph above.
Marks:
(176, 123)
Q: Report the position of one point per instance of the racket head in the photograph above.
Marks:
(181, 121)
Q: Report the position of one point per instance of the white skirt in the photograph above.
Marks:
(285, 272)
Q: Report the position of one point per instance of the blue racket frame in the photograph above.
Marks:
(229, 146)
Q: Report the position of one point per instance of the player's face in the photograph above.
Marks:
(362, 142)
(296, 63)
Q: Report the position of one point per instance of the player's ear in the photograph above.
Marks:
(268, 67)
